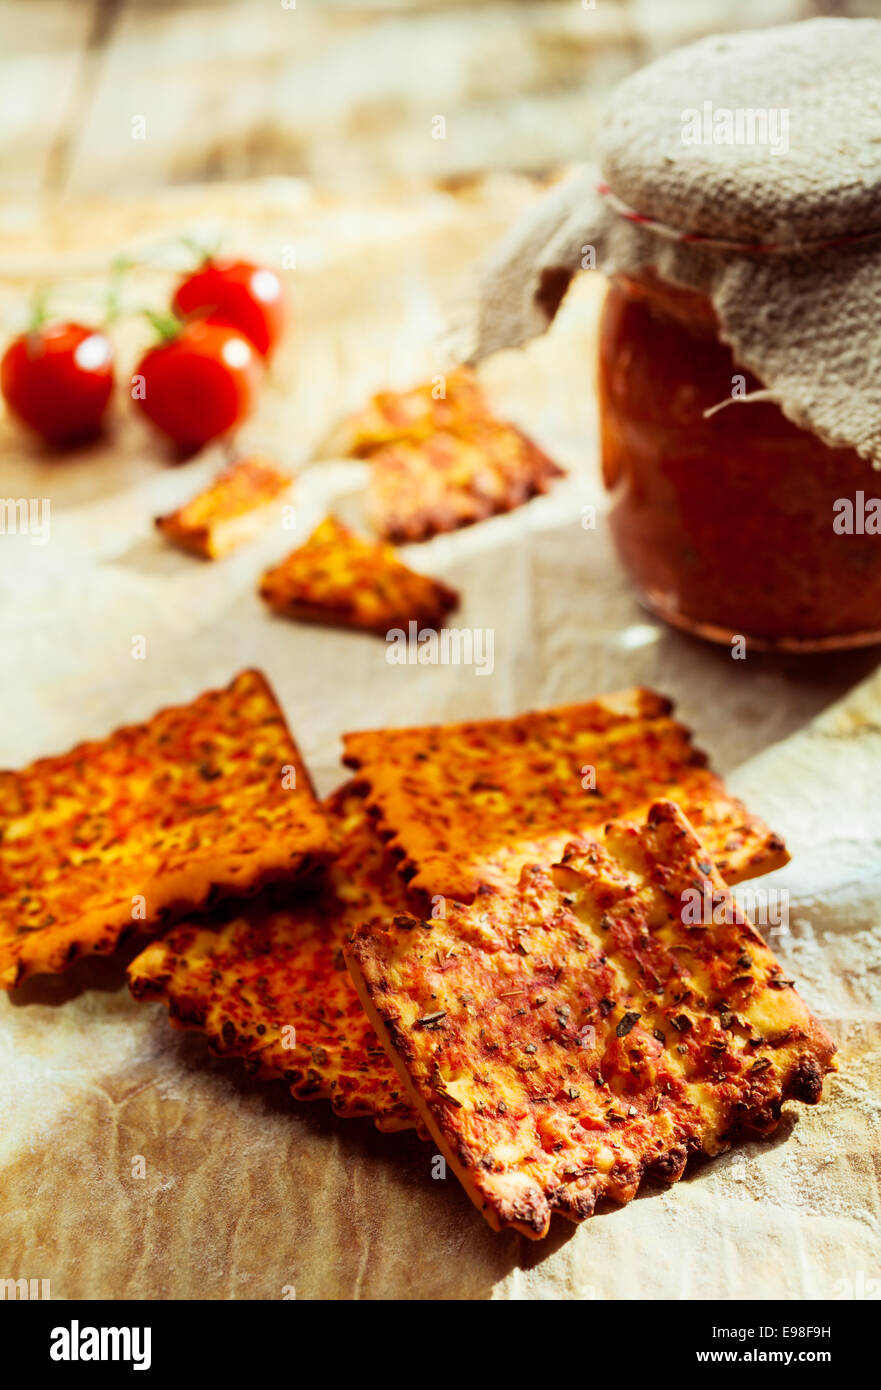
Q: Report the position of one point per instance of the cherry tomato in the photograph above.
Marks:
(58, 379)
(249, 297)
(199, 384)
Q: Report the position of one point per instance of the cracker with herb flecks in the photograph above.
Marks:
(565, 1038)
(439, 458)
(439, 404)
(419, 487)
(205, 799)
(470, 804)
(267, 981)
(228, 513)
(342, 580)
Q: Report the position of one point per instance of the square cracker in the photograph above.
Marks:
(470, 804)
(342, 580)
(204, 799)
(229, 512)
(565, 1038)
(267, 981)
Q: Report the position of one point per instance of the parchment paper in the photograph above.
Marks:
(247, 1193)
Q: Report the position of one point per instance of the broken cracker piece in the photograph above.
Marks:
(420, 487)
(229, 512)
(439, 459)
(564, 1039)
(341, 579)
(204, 799)
(469, 804)
(438, 404)
(269, 984)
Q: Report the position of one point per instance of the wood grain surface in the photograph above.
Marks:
(334, 90)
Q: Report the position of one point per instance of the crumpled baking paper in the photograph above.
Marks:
(134, 1165)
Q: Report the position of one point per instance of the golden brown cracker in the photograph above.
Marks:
(421, 487)
(269, 984)
(438, 404)
(440, 459)
(567, 1037)
(229, 512)
(343, 580)
(470, 804)
(112, 837)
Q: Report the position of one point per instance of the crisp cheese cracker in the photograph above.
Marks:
(269, 983)
(204, 799)
(590, 1026)
(422, 486)
(442, 403)
(228, 513)
(342, 580)
(470, 804)
(439, 458)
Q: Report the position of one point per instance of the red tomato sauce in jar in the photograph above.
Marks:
(725, 523)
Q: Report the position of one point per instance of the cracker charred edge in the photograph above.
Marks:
(343, 618)
(531, 1216)
(803, 1082)
(406, 868)
(435, 523)
(577, 1201)
(193, 541)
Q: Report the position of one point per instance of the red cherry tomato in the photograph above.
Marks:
(200, 384)
(249, 297)
(58, 379)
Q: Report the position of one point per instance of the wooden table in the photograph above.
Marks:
(101, 95)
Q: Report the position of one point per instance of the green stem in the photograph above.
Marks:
(39, 311)
(167, 324)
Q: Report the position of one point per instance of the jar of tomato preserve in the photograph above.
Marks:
(737, 213)
(725, 520)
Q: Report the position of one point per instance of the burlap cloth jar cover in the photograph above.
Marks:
(747, 167)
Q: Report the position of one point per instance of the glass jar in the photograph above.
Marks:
(726, 523)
